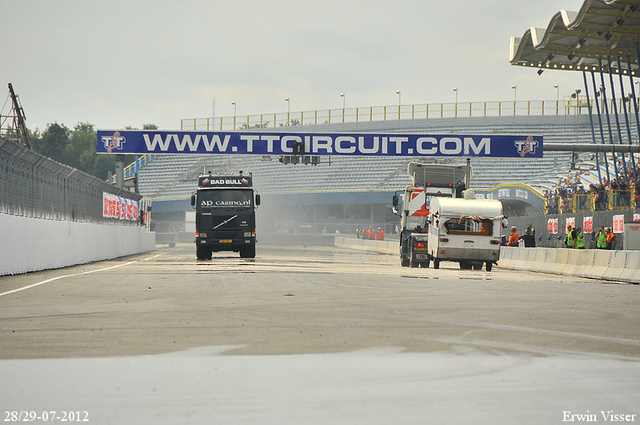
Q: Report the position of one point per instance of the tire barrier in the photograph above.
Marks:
(617, 265)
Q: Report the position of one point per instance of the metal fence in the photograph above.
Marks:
(35, 186)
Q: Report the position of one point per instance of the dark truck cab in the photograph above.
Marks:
(225, 215)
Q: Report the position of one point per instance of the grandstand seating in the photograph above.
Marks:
(170, 177)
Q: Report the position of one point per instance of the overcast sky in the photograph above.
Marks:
(128, 63)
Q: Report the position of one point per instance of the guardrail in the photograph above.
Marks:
(567, 106)
(614, 200)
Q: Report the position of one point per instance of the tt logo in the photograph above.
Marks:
(526, 146)
(113, 142)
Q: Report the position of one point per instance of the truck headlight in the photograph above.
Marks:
(203, 235)
(247, 234)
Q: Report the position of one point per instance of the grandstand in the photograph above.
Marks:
(173, 177)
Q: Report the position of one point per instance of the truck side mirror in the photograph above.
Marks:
(395, 200)
(193, 200)
(257, 199)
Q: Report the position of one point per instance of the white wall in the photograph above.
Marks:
(28, 244)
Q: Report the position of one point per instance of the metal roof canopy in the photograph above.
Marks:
(584, 40)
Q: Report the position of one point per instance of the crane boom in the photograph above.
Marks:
(20, 116)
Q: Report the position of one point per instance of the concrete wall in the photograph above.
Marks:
(388, 247)
(593, 263)
(302, 239)
(622, 266)
(30, 244)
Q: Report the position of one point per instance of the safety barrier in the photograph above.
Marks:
(387, 247)
(32, 244)
(34, 186)
(622, 266)
(597, 264)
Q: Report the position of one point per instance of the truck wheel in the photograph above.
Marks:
(413, 263)
(203, 253)
(436, 264)
(248, 252)
(478, 266)
(489, 265)
(404, 261)
(426, 264)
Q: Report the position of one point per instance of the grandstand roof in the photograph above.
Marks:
(584, 40)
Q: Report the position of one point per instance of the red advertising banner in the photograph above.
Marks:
(119, 208)
(587, 224)
(552, 225)
(618, 223)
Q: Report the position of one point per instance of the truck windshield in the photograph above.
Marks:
(225, 198)
(469, 225)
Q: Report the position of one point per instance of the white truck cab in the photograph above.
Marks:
(466, 231)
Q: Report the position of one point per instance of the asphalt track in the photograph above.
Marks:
(314, 335)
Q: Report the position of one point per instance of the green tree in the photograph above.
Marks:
(77, 148)
(81, 149)
(53, 142)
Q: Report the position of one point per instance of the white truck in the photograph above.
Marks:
(467, 231)
(427, 181)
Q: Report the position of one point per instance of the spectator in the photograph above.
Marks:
(601, 238)
(513, 238)
(610, 238)
(570, 240)
(529, 237)
(579, 243)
